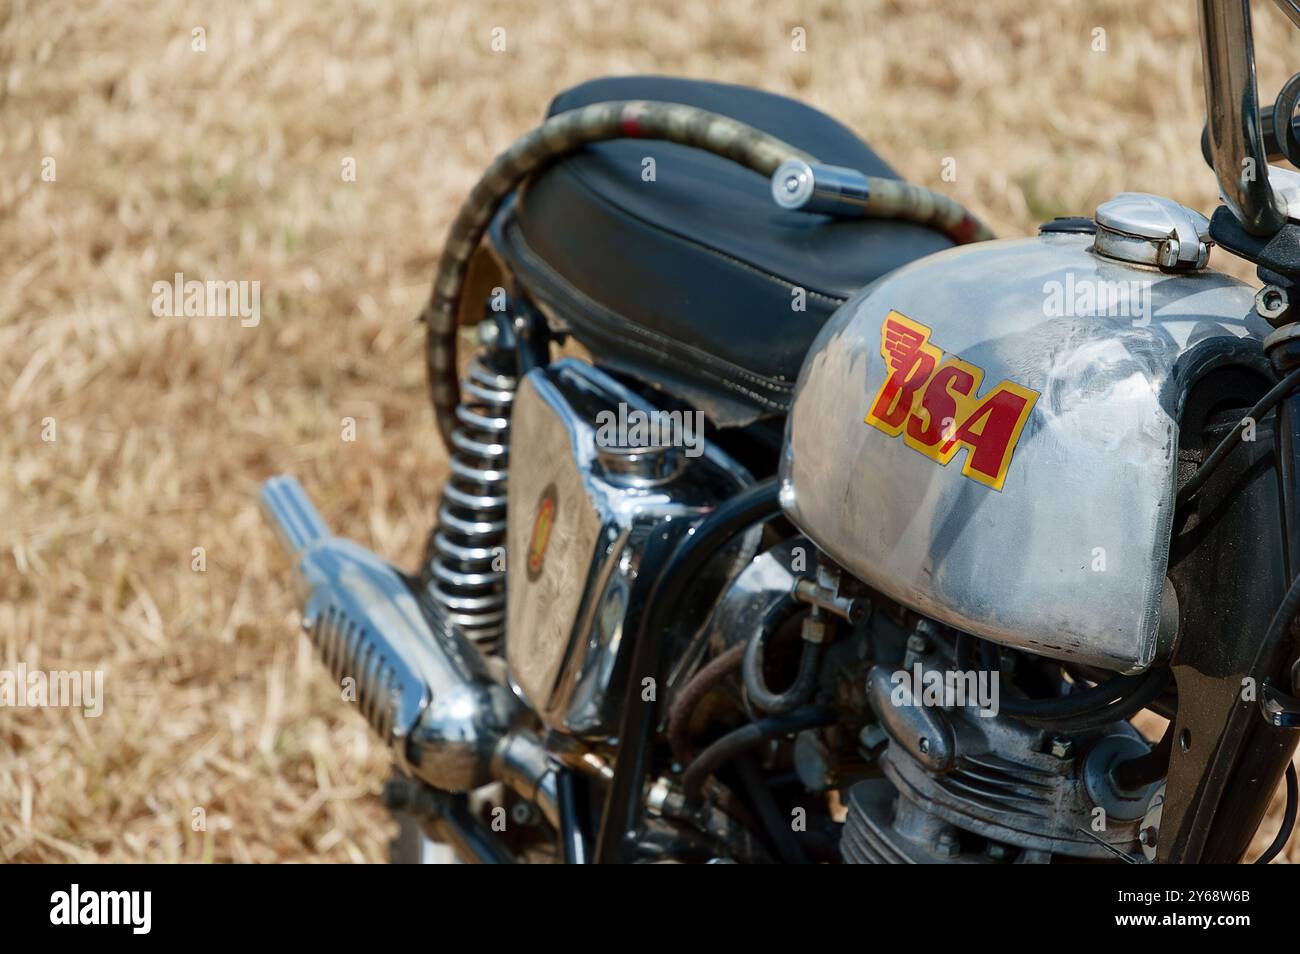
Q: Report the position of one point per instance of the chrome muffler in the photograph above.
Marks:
(422, 686)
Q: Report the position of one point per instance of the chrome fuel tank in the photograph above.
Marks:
(989, 436)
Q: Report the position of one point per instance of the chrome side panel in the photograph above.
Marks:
(1068, 558)
(569, 610)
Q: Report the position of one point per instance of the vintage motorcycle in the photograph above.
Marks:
(852, 533)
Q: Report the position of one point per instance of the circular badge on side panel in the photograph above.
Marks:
(540, 538)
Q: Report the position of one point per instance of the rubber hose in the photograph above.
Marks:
(699, 686)
(1071, 706)
(748, 737)
(1135, 774)
(1288, 819)
(1233, 437)
(777, 703)
(1152, 686)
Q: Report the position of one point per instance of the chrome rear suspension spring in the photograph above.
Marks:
(465, 558)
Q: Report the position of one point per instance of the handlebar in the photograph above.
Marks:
(1236, 141)
(1272, 149)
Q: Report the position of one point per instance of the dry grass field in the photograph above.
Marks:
(225, 163)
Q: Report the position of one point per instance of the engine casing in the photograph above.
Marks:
(972, 439)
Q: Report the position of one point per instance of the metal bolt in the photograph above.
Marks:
(657, 798)
(488, 332)
(996, 851)
(947, 845)
(1169, 254)
(1147, 836)
(916, 643)
(522, 813)
(1272, 302)
(1062, 747)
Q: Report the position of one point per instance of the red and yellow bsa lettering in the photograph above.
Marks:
(932, 402)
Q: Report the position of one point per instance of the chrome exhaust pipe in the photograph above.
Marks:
(422, 686)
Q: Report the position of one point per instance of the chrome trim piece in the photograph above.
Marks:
(523, 764)
(422, 685)
(820, 189)
(1232, 104)
(754, 601)
(640, 466)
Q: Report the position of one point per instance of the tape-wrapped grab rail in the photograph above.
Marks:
(631, 119)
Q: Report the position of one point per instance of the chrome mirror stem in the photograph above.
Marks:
(1232, 105)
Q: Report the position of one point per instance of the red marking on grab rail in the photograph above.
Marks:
(630, 123)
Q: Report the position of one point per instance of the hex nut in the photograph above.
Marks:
(1272, 302)
(947, 845)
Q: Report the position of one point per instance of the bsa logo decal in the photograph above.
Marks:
(931, 400)
(540, 538)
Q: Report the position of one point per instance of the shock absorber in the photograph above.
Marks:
(465, 558)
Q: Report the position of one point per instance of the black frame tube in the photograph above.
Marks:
(571, 796)
(470, 839)
(620, 820)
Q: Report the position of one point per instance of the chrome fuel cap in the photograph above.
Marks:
(647, 466)
(1151, 230)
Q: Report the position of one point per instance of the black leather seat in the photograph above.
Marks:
(690, 279)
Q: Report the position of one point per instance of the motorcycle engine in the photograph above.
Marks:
(937, 774)
(962, 784)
